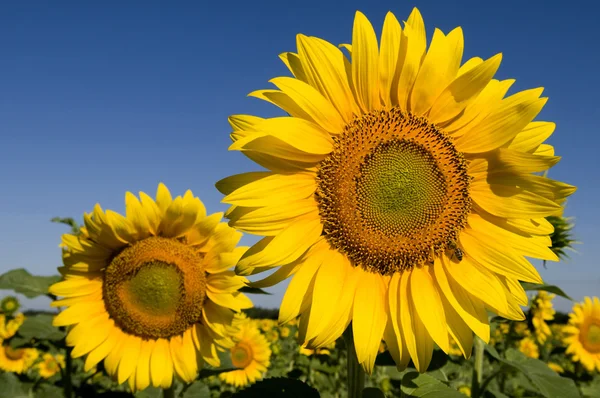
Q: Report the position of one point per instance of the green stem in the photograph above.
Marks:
(169, 392)
(476, 383)
(356, 374)
(68, 387)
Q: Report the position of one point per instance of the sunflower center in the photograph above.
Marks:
(241, 355)
(155, 288)
(13, 354)
(593, 338)
(393, 193)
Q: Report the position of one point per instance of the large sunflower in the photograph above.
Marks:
(401, 187)
(250, 354)
(582, 335)
(151, 293)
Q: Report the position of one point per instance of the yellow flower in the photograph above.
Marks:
(529, 347)
(17, 360)
(8, 329)
(150, 293)
(284, 331)
(542, 311)
(266, 324)
(582, 335)
(521, 329)
(50, 365)
(402, 192)
(272, 335)
(504, 328)
(465, 390)
(556, 367)
(251, 354)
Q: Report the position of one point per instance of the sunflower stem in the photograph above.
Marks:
(476, 383)
(356, 374)
(169, 392)
(68, 387)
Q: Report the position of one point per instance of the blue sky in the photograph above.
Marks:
(97, 98)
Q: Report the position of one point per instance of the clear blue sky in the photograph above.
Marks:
(97, 98)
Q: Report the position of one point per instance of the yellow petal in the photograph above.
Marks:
(130, 358)
(95, 336)
(300, 287)
(270, 220)
(152, 211)
(479, 282)
(365, 63)
(369, 316)
(511, 202)
(439, 68)
(136, 216)
(396, 342)
(418, 341)
(458, 329)
(103, 350)
(388, 57)
(428, 306)
(312, 102)
(532, 136)
(470, 309)
(501, 126)
(463, 90)
(273, 153)
(79, 312)
(75, 287)
(292, 61)
(412, 50)
(158, 362)
(142, 370)
(244, 122)
(285, 247)
(163, 197)
(264, 189)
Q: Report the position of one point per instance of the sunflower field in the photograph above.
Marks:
(403, 193)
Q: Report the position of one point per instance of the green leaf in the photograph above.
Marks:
(40, 327)
(75, 228)
(253, 290)
(18, 341)
(548, 288)
(197, 390)
(12, 387)
(49, 391)
(279, 387)
(548, 382)
(150, 392)
(372, 392)
(422, 385)
(21, 281)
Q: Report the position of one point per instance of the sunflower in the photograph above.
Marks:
(17, 360)
(542, 311)
(403, 187)
(9, 305)
(250, 354)
(529, 347)
(582, 335)
(150, 293)
(285, 332)
(50, 365)
(8, 329)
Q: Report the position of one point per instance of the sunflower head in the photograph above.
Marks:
(154, 286)
(17, 360)
(529, 347)
(582, 335)
(9, 305)
(542, 311)
(404, 186)
(50, 365)
(250, 354)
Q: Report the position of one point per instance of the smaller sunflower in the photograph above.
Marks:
(529, 347)
(50, 365)
(266, 324)
(17, 360)
(521, 329)
(465, 390)
(250, 354)
(542, 311)
(8, 329)
(582, 335)
(9, 305)
(284, 332)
